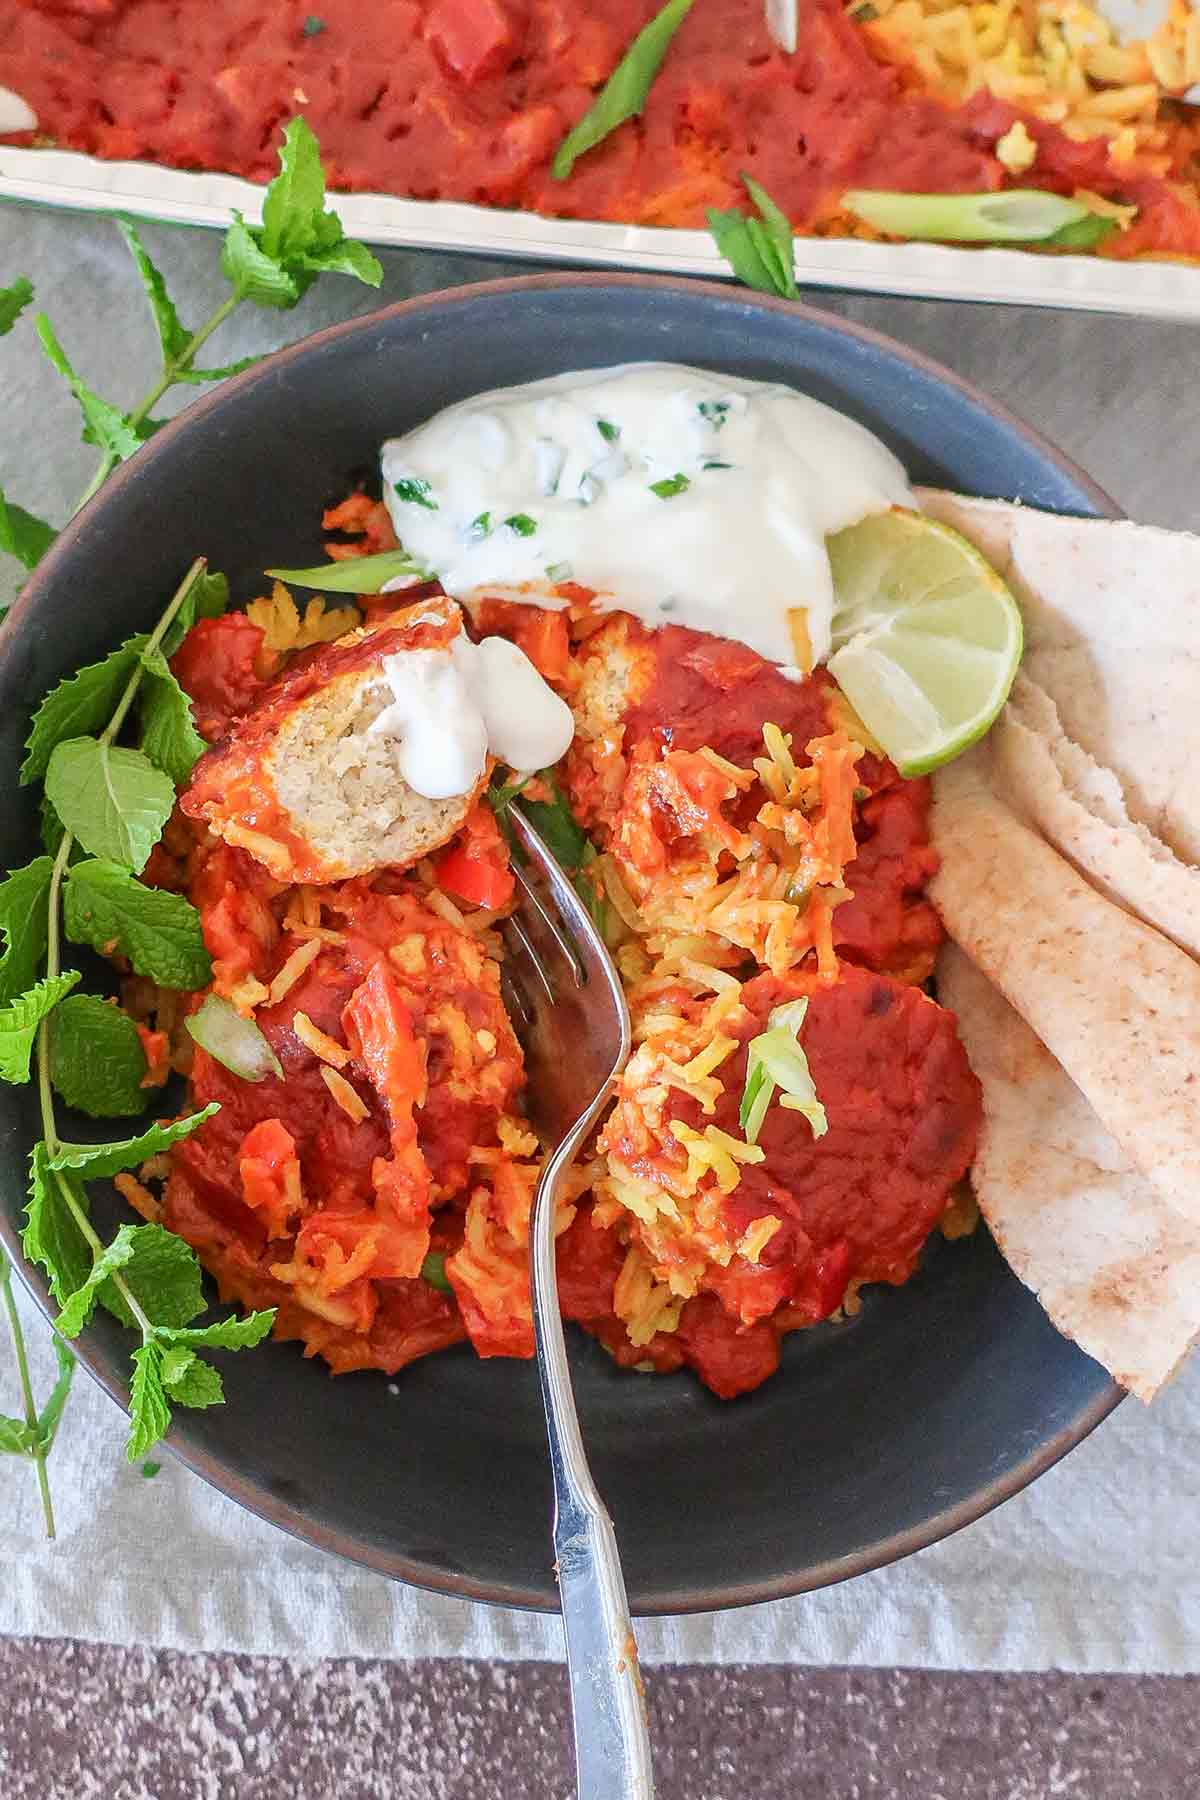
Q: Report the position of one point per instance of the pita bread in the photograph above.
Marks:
(1112, 633)
(1113, 1263)
(1080, 808)
(1116, 1007)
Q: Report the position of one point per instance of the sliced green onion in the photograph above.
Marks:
(236, 1043)
(757, 1095)
(1015, 216)
(433, 1270)
(357, 575)
(522, 524)
(775, 1060)
(625, 92)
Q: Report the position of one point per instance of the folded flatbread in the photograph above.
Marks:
(1069, 839)
(1112, 634)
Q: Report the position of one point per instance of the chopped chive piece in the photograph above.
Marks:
(479, 528)
(559, 571)
(522, 524)
(608, 431)
(718, 465)
(674, 484)
(150, 1469)
(589, 489)
(313, 26)
(416, 492)
(715, 411)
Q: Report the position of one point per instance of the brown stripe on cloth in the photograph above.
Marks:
(84, 1720)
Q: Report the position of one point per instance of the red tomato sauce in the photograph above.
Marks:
(294, 1203)
(469, 99)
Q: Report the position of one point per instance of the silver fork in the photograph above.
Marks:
(569, 1011)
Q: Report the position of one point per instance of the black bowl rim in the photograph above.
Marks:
(248, 1494)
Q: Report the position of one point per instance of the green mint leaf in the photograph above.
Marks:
(23, 920)
(80, 1306)
(97, 1062)
(313, 26)
(160, 1270)
(51, 1414)
(23, 534)
(165, 1276)
(625, 92)
(194, 377)
(104, 905)
(295, 200)
(50, 1236)
(225, 1334)
(348, 257)
(357, 575)
(734, 242)
(169, 736)
(79, 706)
(189, 1380)
(522, 524)
(173, 336)
(149, 1414)
(13, 301)
(103, 424)
(297, 232)
(760, 251)
(775, 233)
(91, 1161)
(258, 277)
(415, 492)
(207, 598)
(670, 487)
(17, 1438)
(114, 801)
(20, 1019)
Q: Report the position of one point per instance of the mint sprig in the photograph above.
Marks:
(273, 265)
(113, 800)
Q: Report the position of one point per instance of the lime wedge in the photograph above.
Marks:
(926, 637)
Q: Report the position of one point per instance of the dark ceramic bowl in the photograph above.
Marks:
(879, 1435)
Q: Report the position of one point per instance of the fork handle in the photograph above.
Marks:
(612, 1746)
(612, 1743)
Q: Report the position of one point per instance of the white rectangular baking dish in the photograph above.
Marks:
(1152, 290)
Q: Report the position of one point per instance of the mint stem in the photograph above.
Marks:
(167, 379)
(38, 1453)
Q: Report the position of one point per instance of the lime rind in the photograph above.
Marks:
(927, 637)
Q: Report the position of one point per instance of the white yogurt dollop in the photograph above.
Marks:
(453, 707)
(679, 495)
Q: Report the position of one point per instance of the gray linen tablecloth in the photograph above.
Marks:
(1092, 1569)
